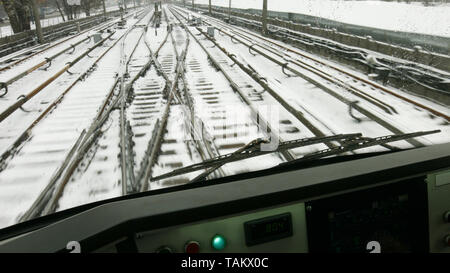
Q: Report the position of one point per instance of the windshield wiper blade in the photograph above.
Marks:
(359, 143)
(253, 149)
(349, 142)
(247, 149)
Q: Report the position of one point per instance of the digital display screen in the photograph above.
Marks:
(268, 229)
(393, 216)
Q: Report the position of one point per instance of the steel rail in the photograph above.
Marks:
(92, 134)
(357, 107)
(297, 114)
(39, 204)
(156, 133)
(275, 137)
(208, 144)
(56, 44)
(27, 133)
(35, 91)
(373, 84)
(33, 68)
(46, 201)
(168, 82)
(124, 91)
(286, 154)
(4, 85)
(353, 90)
(163, 123)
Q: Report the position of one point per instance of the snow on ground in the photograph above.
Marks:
(50, 140)
(414, 17)
(307, 98)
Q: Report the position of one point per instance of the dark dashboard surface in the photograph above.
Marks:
(103, 222)
(43, 221)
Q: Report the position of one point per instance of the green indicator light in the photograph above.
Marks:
(218, 242)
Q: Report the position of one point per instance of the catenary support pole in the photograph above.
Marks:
(264, 18)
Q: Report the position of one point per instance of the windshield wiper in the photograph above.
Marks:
(349, 142)
(253, 149)
(360, 143)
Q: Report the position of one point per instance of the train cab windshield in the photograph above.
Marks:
(102, 101)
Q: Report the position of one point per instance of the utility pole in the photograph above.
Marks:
(122, 10)
(229, 10)
(104, 8)
(264, 18)
(37, 21)
(210, 7)
(193, 6)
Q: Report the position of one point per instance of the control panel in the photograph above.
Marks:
(439, 211)
(281, 229)
(412, 215)
(278, 229)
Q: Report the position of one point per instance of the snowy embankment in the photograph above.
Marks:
(414, 17)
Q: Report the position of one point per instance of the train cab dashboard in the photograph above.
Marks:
(383, 202)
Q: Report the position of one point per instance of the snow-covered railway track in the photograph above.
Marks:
(51, 148)
(17, 51)
(27, 75)
(160, 114)
(227, 104)
(13, 60)
(292, 124)
(405, 74)
(103, 166)
(164, 148)
(390, 112)
(20, 70)
(10, 106)
(95, 172)
(352, 81)
(17, 128)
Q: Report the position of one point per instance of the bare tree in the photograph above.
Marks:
(14, 20)
(59, 9)
(19, 14)
(68, 10)
(86, 6)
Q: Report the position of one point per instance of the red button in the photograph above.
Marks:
(192, 247)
